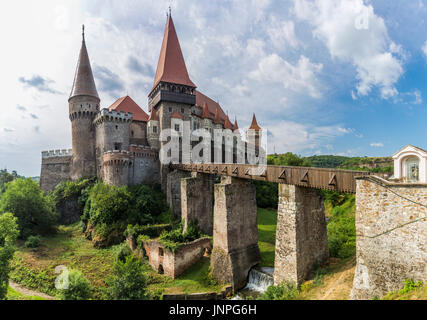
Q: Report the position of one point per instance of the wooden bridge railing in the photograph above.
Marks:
(318, 178)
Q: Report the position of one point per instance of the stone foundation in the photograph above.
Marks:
(197, 201)
(173, 264)
(388, 249)
(235, 232)
(173, 191)
(301, 236)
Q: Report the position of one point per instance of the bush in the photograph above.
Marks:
(177, 237)
(283, 291)
(147, 204)
(152, 231)
(122, 251)
(33, 242)
(342, 229)
(34, 210)
(79, 287)
(129, 281)
(266, 194)
(8, 234)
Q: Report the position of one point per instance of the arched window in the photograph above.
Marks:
(412, 169)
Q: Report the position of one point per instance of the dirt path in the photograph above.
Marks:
(28, 292)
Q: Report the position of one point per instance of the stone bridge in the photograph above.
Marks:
(228, 211)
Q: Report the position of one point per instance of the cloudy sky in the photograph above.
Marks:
(324, 77)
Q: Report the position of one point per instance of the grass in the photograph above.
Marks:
(15, 295)
(267, 221)
(35, 268)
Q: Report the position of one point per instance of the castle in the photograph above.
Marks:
(120, 144)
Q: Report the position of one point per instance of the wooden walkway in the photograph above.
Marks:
(317, 178)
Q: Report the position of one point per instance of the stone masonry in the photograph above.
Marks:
(301, 238)
(391, 244)
(173, 191)
(56, 166)
(235, 249)
(197, 201)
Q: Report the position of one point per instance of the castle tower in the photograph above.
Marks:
(83, 106)
(153, 129)
(173, 91)
(253, 135)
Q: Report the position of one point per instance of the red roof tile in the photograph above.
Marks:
(227, 124)
(236, 127)
(254, 125)
(217, 119)
(171, 66)
(176, 115)
(126, 104)
(206, 113)
(201, 99)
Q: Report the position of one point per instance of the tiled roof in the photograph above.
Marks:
(227, 124)
(201, 99)
(126, 104)
(171, 66)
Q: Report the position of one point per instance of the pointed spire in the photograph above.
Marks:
(171, 66)
(206, 114)
(153, 115)
(227, 123)
(84, 83)
(236, 127)
(254, 125)
(217, 119)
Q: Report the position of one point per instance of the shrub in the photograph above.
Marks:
(266, 194)
(8, 234)
(79, 287)
(176, 237)
(129, 281)
(410, 285)
(122, 251)
(152, 231)
(147, 204)
(342, 230)
(34, 210)
(33, 242)
(283, 291)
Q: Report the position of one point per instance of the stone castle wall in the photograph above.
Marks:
(389, 248)
(56, 168)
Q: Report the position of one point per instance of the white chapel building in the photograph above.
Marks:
(410, 165)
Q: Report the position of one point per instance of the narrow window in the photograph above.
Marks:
(177, 127)
(155, 129)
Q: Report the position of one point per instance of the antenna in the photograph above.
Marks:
(83, 32)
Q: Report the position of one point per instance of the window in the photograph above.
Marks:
(170, 109)
(132, 133)
(177, 127)
(161, 252)
(182, 110)
(117, 127)
(117, 146)
(412, 169)
(154, 129)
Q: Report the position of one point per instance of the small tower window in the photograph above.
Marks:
(117, 146)
(170, 109)
(154, 129)
(117, 127)
(132, 133)
(177, 127)
(182, 110)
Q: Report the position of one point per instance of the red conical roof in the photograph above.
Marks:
(206, 113)
(171, 66)
(236, 127)
(227, 124)
(254, 125)
(153, 115)
(84, 83)
(217, 119)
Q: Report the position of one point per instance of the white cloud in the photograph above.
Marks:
(424, 49)
(377, 144)
(354, 33)
(300, 77)
(282, 33)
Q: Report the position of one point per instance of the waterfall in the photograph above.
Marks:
(259, 280)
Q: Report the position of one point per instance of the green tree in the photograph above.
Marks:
(129, 282)
(33, 209)
(8, 234)
(78, 288)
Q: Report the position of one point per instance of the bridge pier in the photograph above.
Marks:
(173, 191)
(235, 250)
(301, 237)
(197, 197)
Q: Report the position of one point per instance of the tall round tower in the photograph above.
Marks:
(83, 106)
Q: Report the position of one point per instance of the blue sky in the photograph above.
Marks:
(324, 77)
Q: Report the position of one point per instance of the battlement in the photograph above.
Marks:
(116, 157)
(57, 153)
(113, 116)
(143, 151)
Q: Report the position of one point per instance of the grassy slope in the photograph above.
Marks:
(267, 221)
(15, 295)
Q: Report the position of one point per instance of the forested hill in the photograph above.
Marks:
(376, 164)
